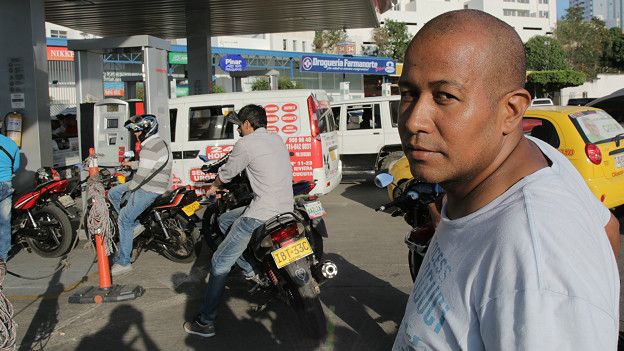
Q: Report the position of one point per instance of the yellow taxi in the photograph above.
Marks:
(589, 137)
(401, 173)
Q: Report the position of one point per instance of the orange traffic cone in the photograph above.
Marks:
(103, 268)
(106, 292)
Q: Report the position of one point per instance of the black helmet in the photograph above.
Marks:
(148, 124)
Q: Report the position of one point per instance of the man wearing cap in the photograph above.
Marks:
(266, 160)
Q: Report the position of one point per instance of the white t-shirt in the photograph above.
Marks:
(532, 270)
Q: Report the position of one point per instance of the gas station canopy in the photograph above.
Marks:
(167, 18)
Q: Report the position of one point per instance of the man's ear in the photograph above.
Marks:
(514, 105)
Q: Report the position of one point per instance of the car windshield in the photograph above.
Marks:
(597, 126)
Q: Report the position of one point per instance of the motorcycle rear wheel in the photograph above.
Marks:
(308, 307)
(57, 225)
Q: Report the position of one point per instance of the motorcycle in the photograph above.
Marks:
(167, 226)
(287, 249)
(40, 219)
(412, 202)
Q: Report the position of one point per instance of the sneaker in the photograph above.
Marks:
(118, 269)
(195, 327)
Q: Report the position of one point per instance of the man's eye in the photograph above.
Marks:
(443, 97)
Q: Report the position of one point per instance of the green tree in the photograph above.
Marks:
(544, 53)
(216, 89)
(582, 41)
(325, 41)
(283, 83)
(392, 39)
(613, 52)
(543, 83)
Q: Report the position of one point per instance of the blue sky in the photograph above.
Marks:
(562, 5)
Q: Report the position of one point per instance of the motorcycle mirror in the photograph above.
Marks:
(382, 180)
(204, 158)
(128, 154)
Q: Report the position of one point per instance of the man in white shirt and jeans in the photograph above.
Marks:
(520, 259)
(266, 160)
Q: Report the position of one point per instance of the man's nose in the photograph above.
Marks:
(417, 117)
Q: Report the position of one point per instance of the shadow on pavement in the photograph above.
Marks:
(370, 307)
(46, 317)
(372, 311)
(122, 318)
(367, 194)
(268, 324)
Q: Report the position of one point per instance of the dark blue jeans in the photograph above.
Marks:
(6, 190)
(127, 220)
(228, 253)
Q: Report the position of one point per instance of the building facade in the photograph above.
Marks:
(610, 11)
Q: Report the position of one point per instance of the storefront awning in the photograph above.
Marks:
(167, 18)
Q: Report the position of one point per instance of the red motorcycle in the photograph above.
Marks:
(40, 219)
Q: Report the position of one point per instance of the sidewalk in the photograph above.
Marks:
(364, 305)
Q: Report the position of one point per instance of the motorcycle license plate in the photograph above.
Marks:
(191, 208)
(314, 209)
(291, 253)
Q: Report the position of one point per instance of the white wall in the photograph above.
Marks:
(277, 41)
(605, 84)
(71, 33)
(545, 25)
(260, 42)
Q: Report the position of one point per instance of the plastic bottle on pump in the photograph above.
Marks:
(13, 127)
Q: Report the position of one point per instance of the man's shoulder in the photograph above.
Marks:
(7, 142)
(154, 143)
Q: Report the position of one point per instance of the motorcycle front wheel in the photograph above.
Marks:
(415, 260)
(182, 246)
(54, 236)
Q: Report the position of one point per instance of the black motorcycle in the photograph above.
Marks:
(287, 249)
(412, 202)
(167, 226)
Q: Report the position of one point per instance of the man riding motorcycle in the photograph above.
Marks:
(266, 160)
(150, 181)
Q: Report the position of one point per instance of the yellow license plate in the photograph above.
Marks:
(191, 208)
(289, 254)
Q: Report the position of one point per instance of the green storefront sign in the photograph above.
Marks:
(178, 58)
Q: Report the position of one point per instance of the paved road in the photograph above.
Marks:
(364, 303)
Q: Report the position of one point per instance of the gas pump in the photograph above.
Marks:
(111, 139)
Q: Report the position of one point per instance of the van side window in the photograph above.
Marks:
(336, 112)
(173, 118)
(363, 117)
(326, 121)
(394, 113)
(209, 123)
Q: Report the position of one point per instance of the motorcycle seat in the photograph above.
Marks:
(301, 187)
(167, 197)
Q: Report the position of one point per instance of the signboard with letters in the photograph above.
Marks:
(232, 63)
(359, 65)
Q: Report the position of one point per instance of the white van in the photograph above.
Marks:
(368, 137)
(302, 117)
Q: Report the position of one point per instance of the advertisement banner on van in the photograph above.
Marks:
(302, 160)
(325, 64)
